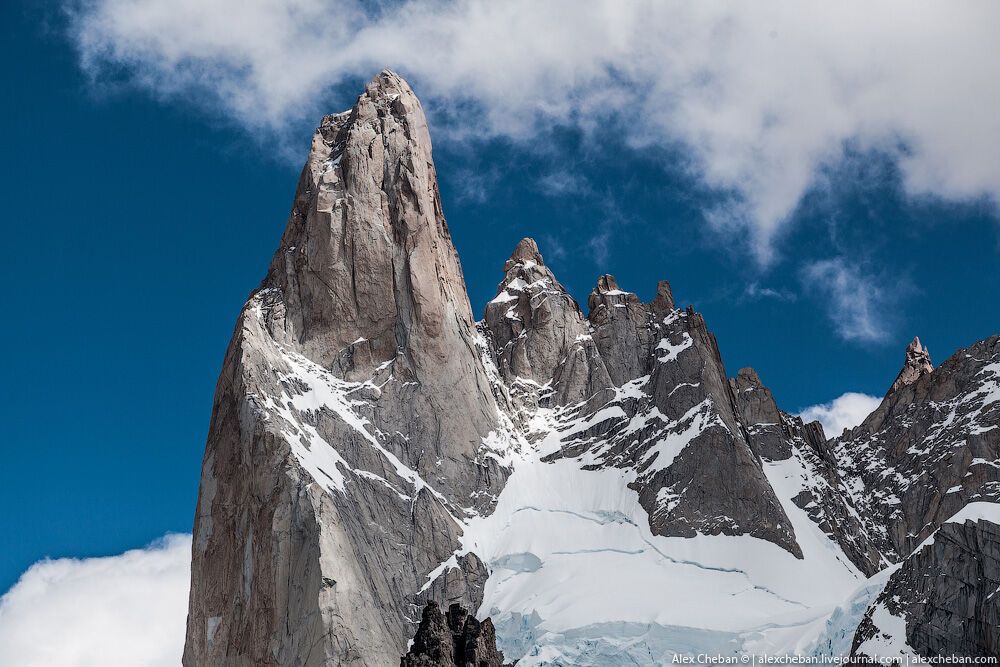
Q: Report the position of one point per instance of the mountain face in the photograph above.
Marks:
(644, 381)
(942, 598)
(595, 484)
(355, 425)
(924, 472)
(931, 447)
(776, 437)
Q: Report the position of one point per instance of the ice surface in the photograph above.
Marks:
(572, 549)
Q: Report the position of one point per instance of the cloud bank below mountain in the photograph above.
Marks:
(119, 610)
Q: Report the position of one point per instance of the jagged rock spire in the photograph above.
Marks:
(606, 292)
(775, 435)
(350, 415)
(537, 326)
(753, 399)
(620, 323)
(453, 639)
(607, 284)
(367, 254)
(526, 251)
(663, 302)
(917, 364)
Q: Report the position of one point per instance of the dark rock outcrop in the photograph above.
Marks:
(778, 436)
(943, 600)
(453, 639)
(621, 330)
(767, 434)
(929, 450)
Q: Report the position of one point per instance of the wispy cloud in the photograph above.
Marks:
(760, 96)
(562, 183)
(476, 186)
(123, 610)
(844, 412)
(754, 291)
(553, 248)
(599, 246)
(859, 305)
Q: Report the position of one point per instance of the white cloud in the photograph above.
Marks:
(759, 94)
(553, 249)
(124, 610)
(563, 183)
(600, 245)
(858, 304)
(754, 291)
(844, 412)
(475, 186)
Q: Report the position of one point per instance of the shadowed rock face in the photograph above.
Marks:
(944, 596)
(454, 639)
(930, 448)
(778, 436)
(715, 484)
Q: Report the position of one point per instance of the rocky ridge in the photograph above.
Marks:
(776, 436)
(452, 639)
(925, 458)
(930, 448)
(649, 381)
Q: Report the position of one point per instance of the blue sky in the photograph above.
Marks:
(146, 184)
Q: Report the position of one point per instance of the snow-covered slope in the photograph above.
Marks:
(577, 575)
